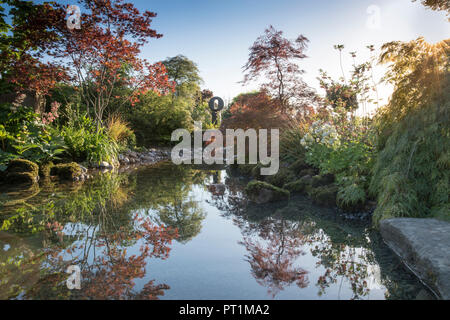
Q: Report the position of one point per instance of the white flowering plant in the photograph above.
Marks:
(320, 140)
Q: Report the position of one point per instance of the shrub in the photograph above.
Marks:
(351, 197)
(411, 174)
(120, 131)
(23, 135)
(86, 143)
(291, 148)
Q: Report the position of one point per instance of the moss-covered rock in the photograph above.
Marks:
(308, 172)
(298, 166)
(322, 180)
(324, 195)
(22, 165)
(21, 171)
(284, 176)
(263, 192)
(45, 169)
(67, 171)
(301, 185)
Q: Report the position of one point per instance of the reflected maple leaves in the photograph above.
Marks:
(110, 263)
(273, 260)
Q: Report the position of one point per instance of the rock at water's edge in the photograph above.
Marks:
(424, 246)
(262, 192)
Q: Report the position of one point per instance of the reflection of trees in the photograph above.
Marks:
(349, 253)
(108, 270)
(92, 228)
(183, 215)
(273, 260)
(167, 199)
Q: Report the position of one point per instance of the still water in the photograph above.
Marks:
(168, 232)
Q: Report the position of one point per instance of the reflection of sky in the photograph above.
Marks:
(213, 264)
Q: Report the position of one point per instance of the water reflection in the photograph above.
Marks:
(118, 226)
(277, 236)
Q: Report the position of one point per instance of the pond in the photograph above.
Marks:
(179, 232)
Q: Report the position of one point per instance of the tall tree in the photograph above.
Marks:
(443, 5)
(185, 75)
(274, 56)
(104, 53)
(26, 29)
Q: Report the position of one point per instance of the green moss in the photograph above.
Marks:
(324, 195)
(45, 169)
(263, 192)
(300, 186)
(307, 172)
(22, 165)
(67, 171)
(322, 180)
(283, 177)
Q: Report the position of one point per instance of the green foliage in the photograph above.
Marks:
(120, 132)
(291, 148)
(22, 134)
(412, 171)
(155, 118)
(349, 157)
(85, 143)
(411, 174)
(351, 197)
(67, 171)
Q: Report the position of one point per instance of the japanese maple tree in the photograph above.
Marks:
(23, 42)
(104, 53)
(274, 57)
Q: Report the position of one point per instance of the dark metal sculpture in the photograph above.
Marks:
(216, 105)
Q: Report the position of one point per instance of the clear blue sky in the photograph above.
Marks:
(217, 34)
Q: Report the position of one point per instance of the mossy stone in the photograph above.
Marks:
(322, 180)
(22, 165)
(67, 171)
(307, 172)
(21, 171)
(283, 177)
(263, 192)
(301, 185)
(324, 195)
(45, 169)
